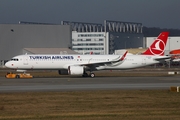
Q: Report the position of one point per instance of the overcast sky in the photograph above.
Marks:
(151, 13)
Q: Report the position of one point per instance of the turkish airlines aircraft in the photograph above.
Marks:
(175, 55)
(80, 64)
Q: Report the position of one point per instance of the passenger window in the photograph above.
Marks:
(14, 59)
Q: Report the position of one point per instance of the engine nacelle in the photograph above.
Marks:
(76, 70)
(63, 72)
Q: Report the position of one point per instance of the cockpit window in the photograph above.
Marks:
(14, 59)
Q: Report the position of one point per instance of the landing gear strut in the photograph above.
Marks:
(90, 75)
(85, 74)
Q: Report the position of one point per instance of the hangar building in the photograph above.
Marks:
(105, 39)
(15, 37)
(81, 37)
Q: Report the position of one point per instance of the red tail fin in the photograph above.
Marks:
(158, 46)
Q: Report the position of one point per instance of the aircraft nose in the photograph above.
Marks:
(9, 64)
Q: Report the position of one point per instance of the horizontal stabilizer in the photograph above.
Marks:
(162, 58)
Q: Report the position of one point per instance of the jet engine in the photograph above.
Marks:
(72, 70)
(63, 72)
(75, 70)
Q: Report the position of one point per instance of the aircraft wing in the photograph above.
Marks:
(175, 57)
(120, 58)
(96, 64)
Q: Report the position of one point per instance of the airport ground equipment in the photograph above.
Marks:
(18, 75)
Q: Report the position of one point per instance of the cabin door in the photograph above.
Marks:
(25, 60)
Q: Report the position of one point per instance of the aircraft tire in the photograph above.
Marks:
(92, 75)
(17, 76)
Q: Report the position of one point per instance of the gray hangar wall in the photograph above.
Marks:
(15, 37)
(125, 41)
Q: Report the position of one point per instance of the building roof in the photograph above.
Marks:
(131, 50)
(136, 50)
(49, 51)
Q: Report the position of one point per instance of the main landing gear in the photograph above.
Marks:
(90, 75)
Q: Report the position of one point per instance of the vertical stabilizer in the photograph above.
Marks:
(158, 46)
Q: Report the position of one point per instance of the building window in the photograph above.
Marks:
(79, 40)
(88, 39)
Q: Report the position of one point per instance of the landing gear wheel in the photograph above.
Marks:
(92, 75)
(17, 76)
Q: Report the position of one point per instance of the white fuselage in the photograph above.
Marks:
(56, 62)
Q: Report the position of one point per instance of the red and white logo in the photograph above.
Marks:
(158, 47)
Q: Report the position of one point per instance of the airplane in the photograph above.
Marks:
(80, 64)
(175, 55)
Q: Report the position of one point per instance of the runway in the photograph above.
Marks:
(79, 83)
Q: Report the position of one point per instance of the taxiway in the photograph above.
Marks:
(79, 83)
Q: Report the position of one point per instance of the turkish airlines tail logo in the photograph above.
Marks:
(158, 46)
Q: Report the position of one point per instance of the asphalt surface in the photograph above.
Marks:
(79, 83)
